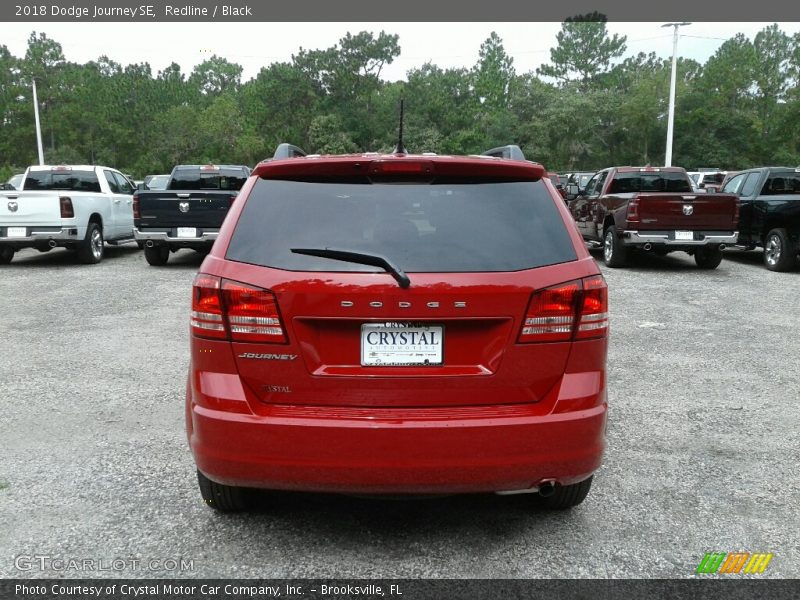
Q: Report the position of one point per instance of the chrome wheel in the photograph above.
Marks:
(608, 246)
(97, 243)
(773, 250)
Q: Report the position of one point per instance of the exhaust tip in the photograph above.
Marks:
(149, 243)
(722, 246)
(648, 246)
(52, 243)
(547, 488)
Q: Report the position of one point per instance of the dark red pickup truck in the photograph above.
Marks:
(653, 209)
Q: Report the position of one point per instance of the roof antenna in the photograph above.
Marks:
(400, 148)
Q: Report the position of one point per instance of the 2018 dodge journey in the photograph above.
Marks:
(398, 324)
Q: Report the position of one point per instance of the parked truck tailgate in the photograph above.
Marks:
(190, 209)
(658, 211)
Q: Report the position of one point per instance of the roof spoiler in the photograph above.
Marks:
(288, 151)
(511, 151)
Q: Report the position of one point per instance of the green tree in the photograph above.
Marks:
(584, 50)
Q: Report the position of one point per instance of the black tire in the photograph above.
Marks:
(567, 496)
(615, 254)
(708, 258)
(92, 248)
(6, 254)
(224, 498)
(779, 251)
(156, 256)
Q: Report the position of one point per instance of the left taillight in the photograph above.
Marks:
(252, 313)
(206, 320)
(633, 211)
(136, 212)
(67, 211)
(575, 310)
(224, 309)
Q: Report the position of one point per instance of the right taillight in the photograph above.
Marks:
(228, 310)
(576, 310)
(136, 212)
(67, 211)
(593, 314)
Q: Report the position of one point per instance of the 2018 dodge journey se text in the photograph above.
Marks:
(398, 324)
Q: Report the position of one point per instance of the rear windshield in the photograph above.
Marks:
(195, 179)
(421, 227)
(158, 182)
(637, 181)
(74, 181)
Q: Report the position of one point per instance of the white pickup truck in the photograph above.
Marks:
(77, 207)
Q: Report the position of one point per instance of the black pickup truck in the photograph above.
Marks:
(189, 212)
(770, 213)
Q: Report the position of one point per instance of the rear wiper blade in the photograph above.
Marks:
(374, 260)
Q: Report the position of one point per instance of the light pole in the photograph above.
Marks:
(38, 126)
(671, 118)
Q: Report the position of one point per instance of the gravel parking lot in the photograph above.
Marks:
(703, 442)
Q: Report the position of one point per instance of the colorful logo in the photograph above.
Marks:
(734, 562)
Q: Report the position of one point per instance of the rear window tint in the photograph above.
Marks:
(446, 227)
(626, 183)
(194, 179)
(782, 183)
(73, 181)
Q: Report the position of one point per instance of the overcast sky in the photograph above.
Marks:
(254, 45)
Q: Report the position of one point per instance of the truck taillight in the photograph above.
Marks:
(67, 211)
(633, 210)
(136, 213)
(228, 310)
(737, 207)
(576, 309)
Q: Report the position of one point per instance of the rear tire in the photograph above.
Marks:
(779, 252)
(224, 498)
(156, 256)
(567, 496)
(6, 255)
(615, 254)
(91, 249)
(708, 258)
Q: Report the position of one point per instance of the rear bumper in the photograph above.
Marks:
(309, 450)
(168, 236)
(41, 236)
(630, 237)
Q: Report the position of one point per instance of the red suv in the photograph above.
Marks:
(398, 324)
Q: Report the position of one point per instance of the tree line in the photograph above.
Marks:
(586, 109)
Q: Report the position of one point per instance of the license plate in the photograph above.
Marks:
(684, 235)
(17, 232)
(401, 344)
(187, 232)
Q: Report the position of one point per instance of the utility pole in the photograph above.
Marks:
(38, 126)
(671, 118)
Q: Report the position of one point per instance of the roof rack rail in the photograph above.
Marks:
(288, 151)
(511, 151)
